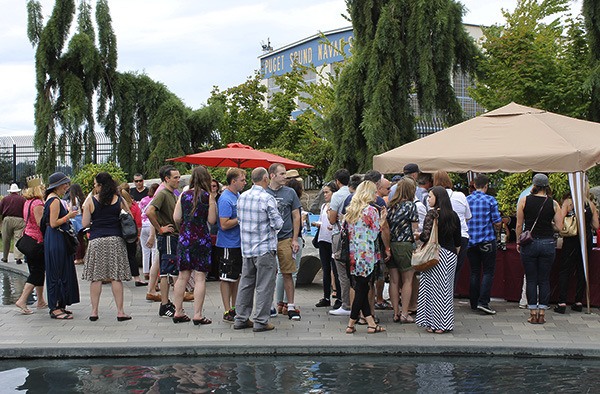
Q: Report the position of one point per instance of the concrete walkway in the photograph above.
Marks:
(506, 333)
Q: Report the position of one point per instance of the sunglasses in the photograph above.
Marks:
(138, 180)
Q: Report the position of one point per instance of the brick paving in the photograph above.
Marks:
(506, 333)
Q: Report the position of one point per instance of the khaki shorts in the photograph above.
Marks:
(401, 256)
(287, 265)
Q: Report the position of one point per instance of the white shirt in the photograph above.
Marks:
(461, 207)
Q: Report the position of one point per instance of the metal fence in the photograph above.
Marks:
(18, 159)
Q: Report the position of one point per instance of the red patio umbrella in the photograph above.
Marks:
(239, 155)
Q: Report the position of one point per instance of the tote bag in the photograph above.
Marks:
(427, 255)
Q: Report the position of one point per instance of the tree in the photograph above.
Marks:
(591, 13)
(67, 79)
(402, 49)
(535, 59)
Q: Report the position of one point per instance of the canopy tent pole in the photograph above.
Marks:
(577, 184)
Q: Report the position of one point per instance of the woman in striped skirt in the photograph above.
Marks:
(435, 307)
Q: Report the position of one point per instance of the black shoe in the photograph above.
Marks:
(337, 304)
(139, 283)
(166, 310)
(560, 309)
(19, 261)
(323, 302)
(123, 318)
(293, 314)
(4, 260)
(577, 307)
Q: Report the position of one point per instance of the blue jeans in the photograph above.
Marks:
(481, 257)
(537, 259)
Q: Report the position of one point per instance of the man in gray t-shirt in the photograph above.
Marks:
(289, 206)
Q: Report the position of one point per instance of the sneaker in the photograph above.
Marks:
(4, 260)
(273, 312)
(337, 304)
(522, 306)
(486, 309)
(166, 310)
(339, 312)
(267, 327)
(293, 314)
(228, 316)
(153, 297)
(323, 302)
(19, 261)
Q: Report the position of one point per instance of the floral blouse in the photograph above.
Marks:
(363, 235)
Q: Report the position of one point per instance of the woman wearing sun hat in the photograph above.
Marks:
(61, 277)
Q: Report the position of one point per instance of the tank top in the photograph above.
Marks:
(543, 227)
(105, 220)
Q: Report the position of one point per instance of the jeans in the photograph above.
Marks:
(537, 259)
(462, 254)
(482, 258)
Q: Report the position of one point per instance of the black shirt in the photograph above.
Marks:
(137, 196)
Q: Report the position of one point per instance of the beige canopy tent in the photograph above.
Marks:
(513, 138)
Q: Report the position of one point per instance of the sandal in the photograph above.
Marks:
(533, 317)
(376, 329)
(181, 319)
(60, 316)
(24, 310)
(65, 310)
(397, 319)
(440, 331)
(429, 330)
(406, 319)
(350, 330)
(204, 320)
(362, 321)
(541, 318)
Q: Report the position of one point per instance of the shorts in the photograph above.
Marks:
(167, 250)
(230, 264)
(401, 256)
(287, 264)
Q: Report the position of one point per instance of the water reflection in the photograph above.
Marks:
(11, 287)
(301, 375)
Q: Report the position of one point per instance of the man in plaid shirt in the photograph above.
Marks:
(259, 223)
(482, 246)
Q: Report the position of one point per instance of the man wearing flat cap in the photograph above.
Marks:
(13, 223)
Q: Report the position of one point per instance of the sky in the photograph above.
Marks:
(188, 45)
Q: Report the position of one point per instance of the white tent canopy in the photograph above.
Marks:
(513, 138)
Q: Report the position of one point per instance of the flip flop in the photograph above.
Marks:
(42, 306)
(61, 316)
(24, 310)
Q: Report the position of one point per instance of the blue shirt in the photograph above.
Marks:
(259, 222)
(484, 209)
(227, 206)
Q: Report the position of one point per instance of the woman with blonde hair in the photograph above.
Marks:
(33, 211)
(402, 217)
(364, 223)
(195, 209)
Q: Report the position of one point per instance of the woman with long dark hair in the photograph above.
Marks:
(75, 203)
(107, 255)
(32, 212)
(538, 213)
(364, 223)
(195, 209)
(435, 305)
(61, 277)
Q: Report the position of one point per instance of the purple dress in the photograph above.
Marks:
(194, 247)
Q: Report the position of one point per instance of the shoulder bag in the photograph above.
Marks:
(569, 228)
(71, 241)
(28, 245)
(128, 226)
(525, 238)
(428, 254)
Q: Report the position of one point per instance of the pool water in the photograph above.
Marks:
(11, 287)
(343, 374)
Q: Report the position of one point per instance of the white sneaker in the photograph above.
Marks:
(339, 312)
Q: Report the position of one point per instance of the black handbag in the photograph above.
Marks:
(128, 227)
(315, 240)
(71, 241)
(28, 245)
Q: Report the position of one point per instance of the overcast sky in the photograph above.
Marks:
(188, 45)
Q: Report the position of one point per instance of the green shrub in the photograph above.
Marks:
(512, 185)
(85, 176)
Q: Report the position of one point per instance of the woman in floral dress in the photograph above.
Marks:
(364, 222)
(195, 208)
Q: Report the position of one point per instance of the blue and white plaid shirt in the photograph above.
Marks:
(259, 222)
(484, 209)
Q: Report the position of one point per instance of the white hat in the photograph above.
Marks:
(14, 188)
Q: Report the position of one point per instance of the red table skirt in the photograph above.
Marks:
(508, 278)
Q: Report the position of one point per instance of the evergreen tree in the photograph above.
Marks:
(401, 49)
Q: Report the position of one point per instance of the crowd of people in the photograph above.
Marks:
(368, 228)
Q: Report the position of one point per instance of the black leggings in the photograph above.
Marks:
(131, 256)
(361, 297)
(571, 261)
(37, 270)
